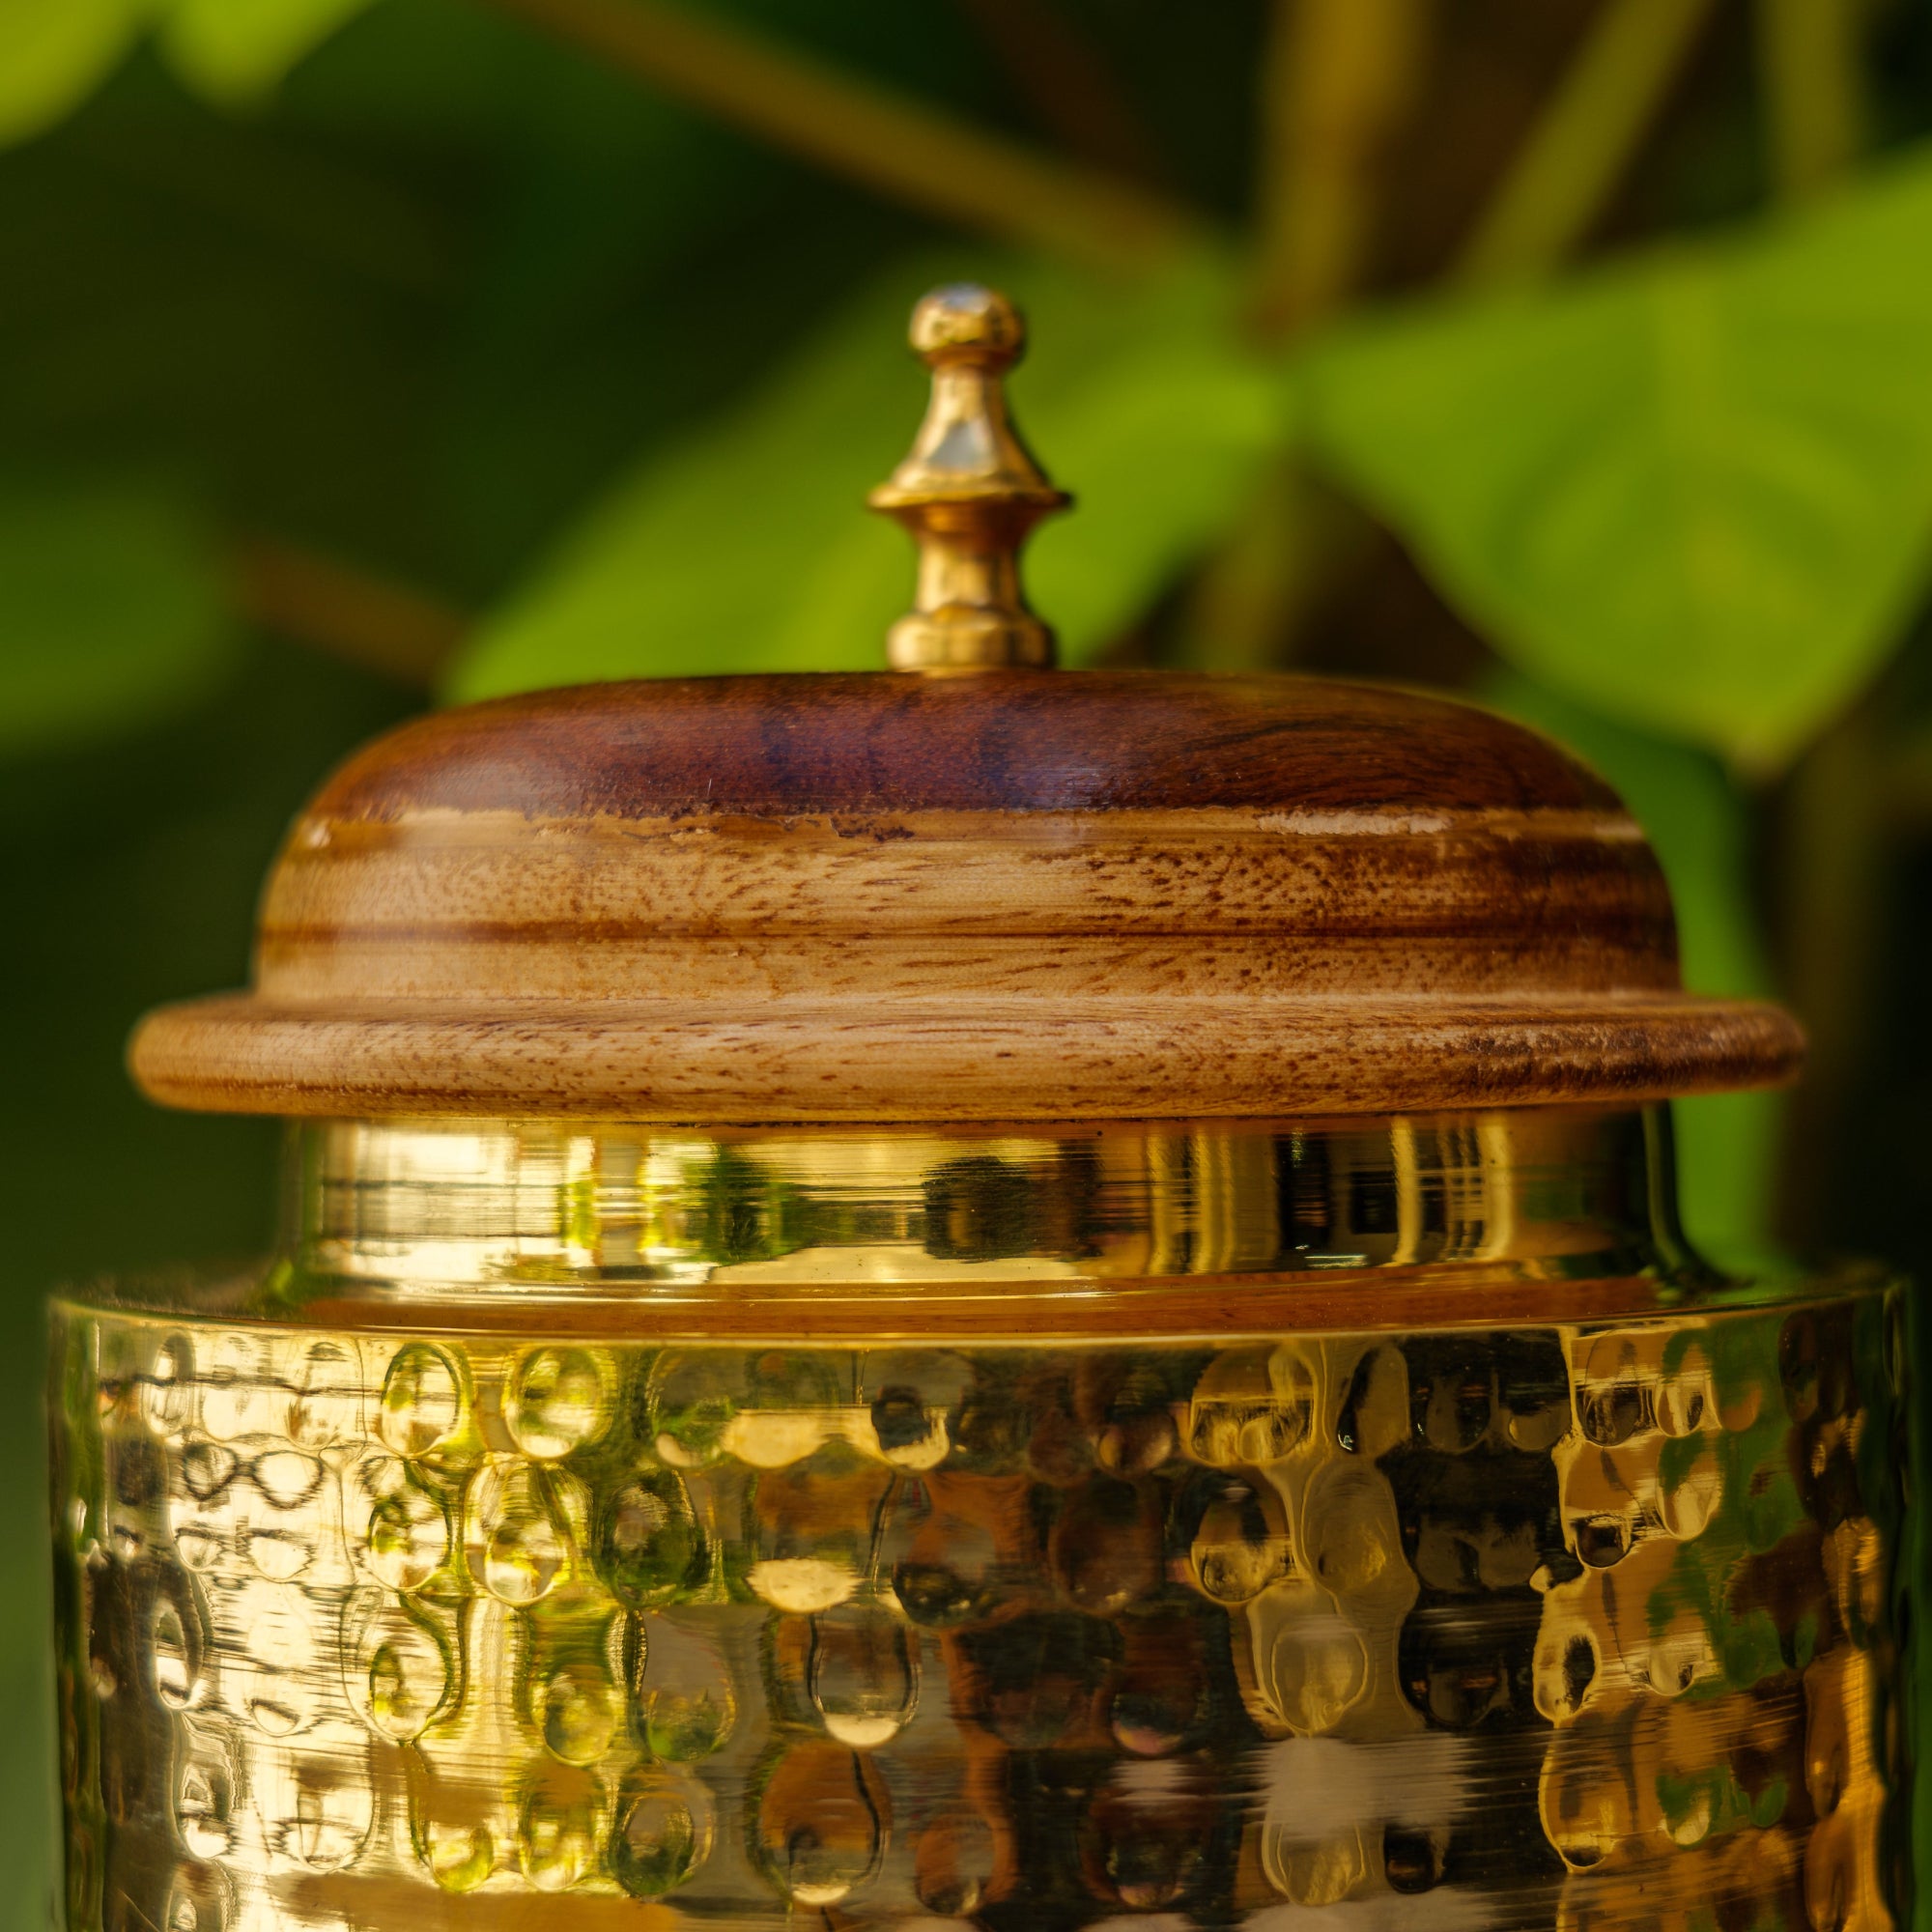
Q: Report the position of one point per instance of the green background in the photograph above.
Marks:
(358, 355)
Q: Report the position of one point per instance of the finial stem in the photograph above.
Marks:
(969, 492)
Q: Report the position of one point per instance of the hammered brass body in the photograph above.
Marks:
(1371, 1525)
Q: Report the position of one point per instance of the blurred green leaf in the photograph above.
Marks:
(110, 611)
(1694, 489)
(1145, 405)
(54, 53)
(1699, 824)
(749, 547)
(743, 547)
(235, 51)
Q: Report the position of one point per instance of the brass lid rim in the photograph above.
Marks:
(903, 1059)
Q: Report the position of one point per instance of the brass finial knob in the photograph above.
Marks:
(969, 492)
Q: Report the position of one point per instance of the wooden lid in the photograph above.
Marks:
(1005, 894)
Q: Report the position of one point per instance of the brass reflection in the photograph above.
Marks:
(1588, 1622)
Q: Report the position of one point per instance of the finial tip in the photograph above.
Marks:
(962, 321)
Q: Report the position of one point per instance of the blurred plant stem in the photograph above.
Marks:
(1067, 81)
(1586, 137)
(1339, 78)
(1835, 800)
(907, 151)
(396, 631)
(1833, 872)
(1908, 782)
(1293, 539)
(1809, 54)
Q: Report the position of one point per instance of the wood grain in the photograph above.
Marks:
(995, 740)
(932, 1060)
(1013, 895)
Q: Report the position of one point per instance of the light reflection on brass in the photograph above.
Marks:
(416, 1209)
(533, 1618)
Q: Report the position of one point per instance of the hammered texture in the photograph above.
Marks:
(1552, 1627)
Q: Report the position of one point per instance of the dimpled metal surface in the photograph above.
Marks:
(1031, 1620)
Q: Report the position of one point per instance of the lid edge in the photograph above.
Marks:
(800, 1060)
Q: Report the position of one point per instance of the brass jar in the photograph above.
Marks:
(976, 1295)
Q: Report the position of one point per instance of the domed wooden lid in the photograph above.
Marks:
(1006, 893)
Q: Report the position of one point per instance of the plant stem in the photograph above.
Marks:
(1318, 209)
(1073, 92)
(1586, 137)
(332, 607)
(1906, 782)
(1833, 852)
(1833, 867)
(911, 153)
(1284, 549)
(1808, 52)
(1338, 77)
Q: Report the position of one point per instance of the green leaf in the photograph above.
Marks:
(748, 548)
(1694, 489)
(110, 612)
(54, 53)
(237, 51)
(1149, 411)
(1699, 824)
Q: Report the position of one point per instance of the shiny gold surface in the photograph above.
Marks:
(544, 1543)
(969, 492)
(1079, 1219)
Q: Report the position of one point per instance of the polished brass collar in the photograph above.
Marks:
(497, 1211)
